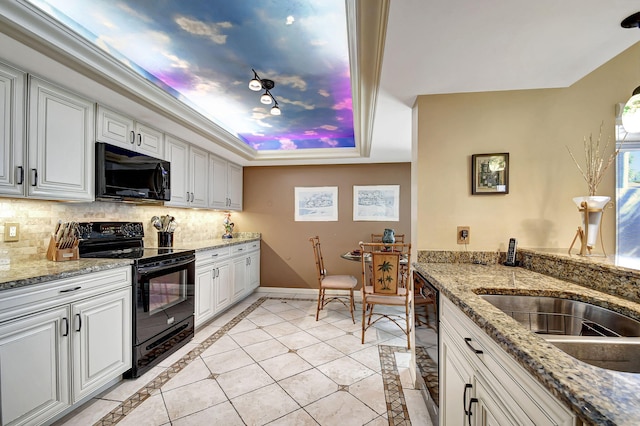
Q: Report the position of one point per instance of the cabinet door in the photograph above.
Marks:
(12, 148)
(488, 410)
(115, 128)
(205, 294)
(217, 182)
(239, 277)
(177, 152)
(60, 144)
(149, 140)
(223, 285)
(234, 186)
(34, 360)
(198, 171)
(254, 271)
(101, 340)
(456, 384)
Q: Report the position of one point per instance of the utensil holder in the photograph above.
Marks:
(165, 239)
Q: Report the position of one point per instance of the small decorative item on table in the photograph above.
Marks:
(228, 226)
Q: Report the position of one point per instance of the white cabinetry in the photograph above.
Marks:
(246, 269)
(189, 170)
(55, 160)
(117, 129)
(212, 292)
(482, 385)
(61, 341)
(12, 120)
(225, 184)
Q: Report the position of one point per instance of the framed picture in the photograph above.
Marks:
(376, 203)
(490, 174)
(319, 204)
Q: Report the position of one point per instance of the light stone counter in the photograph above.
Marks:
(212, 243)
(596, 395)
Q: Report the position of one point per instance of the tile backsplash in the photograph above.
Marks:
(38, 219)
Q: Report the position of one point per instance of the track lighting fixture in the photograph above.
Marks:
(256, 84)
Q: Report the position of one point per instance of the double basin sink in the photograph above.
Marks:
(592, 334)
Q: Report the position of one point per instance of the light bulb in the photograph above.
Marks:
(275, 110)
(265, 99)
(255, 85)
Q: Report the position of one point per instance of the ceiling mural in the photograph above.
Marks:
(203, 53)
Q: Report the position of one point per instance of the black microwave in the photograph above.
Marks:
(124, 175)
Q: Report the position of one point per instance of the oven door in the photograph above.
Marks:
(164, 295)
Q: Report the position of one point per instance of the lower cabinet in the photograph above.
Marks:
(70, 347)
(224, 276)
(482, 385)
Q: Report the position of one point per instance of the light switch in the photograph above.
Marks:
(11, 231)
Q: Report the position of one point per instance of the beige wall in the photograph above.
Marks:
(533, 126)
(287, 256)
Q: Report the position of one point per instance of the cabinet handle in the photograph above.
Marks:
(66, 327)
(70, 289)
(192, 197)
(132, 137)
(20, 175)
(139, 139)
(217, 272)
(34, 181)
(79, 322)
(471, 402)
(214, 255)
(467, 340)
(467, 386)
(187, 196)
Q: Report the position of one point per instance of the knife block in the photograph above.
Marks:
(60, 255)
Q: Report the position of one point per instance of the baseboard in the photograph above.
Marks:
(311, 293)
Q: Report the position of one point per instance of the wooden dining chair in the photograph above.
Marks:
(333, 283)
(377, 238)
(385, 281)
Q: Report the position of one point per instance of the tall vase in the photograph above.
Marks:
(389, 236)
(595, 205)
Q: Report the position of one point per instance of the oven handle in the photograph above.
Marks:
(145, 297)
(177, 263)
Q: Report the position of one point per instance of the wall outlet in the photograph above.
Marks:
(463, 235)
(11, 231)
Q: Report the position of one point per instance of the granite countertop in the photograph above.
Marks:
(596, 395)
(25, 273)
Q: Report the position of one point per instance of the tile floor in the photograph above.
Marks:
(267, 361)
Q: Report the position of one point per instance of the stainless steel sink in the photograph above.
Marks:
(590, 333)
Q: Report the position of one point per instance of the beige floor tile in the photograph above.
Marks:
(221, 414)
(243, 380)
(258, 312)
(345, 371)
(292, 314)
(250, 337)
(307, 322)
(266, 319)
(151, 412)
(167, 362)
(204, 332)
(368, 356)
(297, 418)
(242, 326)
(383, 421)
(227, 361)
(348, 326)
(348, 343)
(308, 386)
(264, 405)
(417, 408)
(278, 306)
(192, 398)
(223, 344)
(281, 329)
(319, 354)
(88, 414)
(326, 331)
(370, 391)
(286, 365)
(298, 340)
(267, 349)
(128, 387)
(341, 408)
(195, 371)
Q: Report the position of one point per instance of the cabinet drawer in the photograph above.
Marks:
(239, 249)
(212, 255)
(253, 246)
(26, 300)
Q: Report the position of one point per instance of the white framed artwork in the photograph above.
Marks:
(376, 203)
(318, 203)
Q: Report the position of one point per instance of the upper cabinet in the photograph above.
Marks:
(225, 184)
(117, 129)
(59, 143)
(188, 173)
(12, 123)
